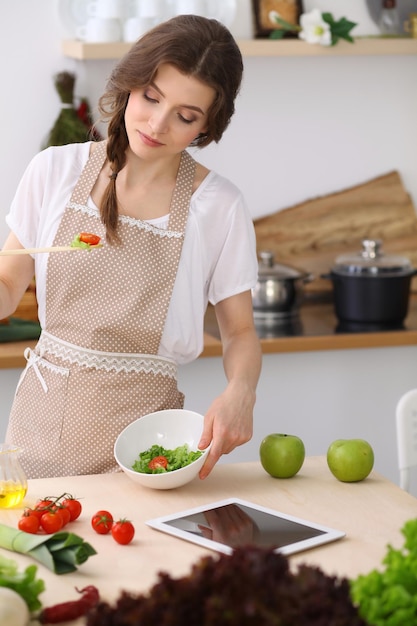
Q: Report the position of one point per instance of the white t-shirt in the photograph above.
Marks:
(218, 258)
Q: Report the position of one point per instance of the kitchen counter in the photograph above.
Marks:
(316, 328)
(371, 513)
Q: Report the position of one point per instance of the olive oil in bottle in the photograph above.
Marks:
(13, 483)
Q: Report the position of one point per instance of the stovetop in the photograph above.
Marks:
(271, 327)
(316, 318)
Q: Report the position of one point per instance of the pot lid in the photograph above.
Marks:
(269, 269)
(372, 261)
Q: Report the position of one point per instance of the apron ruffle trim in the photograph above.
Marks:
(125, 219)
(108, 361)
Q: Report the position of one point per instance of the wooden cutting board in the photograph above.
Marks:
(312, 234)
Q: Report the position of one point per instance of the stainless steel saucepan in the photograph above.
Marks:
(279, 290)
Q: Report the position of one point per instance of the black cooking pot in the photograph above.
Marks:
(371, 287)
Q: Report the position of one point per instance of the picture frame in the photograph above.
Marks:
(289, 10)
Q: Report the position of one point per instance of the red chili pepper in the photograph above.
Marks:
(67, 611)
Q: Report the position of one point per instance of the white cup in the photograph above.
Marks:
(135, 27)
(108, 9)
(195, 7)
(100, 30)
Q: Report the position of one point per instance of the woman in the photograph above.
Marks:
(117, 321)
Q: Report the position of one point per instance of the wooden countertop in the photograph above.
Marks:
(316, 328)
(371, 513)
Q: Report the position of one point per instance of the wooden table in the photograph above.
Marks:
(371, 513)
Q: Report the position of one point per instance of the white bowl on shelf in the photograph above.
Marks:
(170, 429)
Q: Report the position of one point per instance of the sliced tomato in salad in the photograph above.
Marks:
(158, 462)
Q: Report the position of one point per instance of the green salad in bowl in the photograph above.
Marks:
(157, 459)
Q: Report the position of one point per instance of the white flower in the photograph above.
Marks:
(314, 29)
(273, 15)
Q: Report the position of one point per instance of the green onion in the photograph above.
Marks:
(61, 552)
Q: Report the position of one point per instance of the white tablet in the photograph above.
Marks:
(227, 524)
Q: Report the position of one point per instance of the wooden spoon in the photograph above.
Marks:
(51, 249)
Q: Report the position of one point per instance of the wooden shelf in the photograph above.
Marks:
(263, 48)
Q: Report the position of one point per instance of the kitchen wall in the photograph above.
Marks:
(303, 127)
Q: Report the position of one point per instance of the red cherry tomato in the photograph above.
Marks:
(42, 506)
(29, 522)
(64, 512)
(74, 507)
(123, 531)
(158, 462)
(102, 522)
(51, 522)
(89, 238)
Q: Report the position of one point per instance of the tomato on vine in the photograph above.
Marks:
(65, 514)
(52, 514)
(42, 506)
(73, 505)
(29, 522)
(51, 522)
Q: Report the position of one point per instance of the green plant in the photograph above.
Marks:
(72, 124)
(389, 597)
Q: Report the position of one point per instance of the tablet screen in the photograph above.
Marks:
(227, 524)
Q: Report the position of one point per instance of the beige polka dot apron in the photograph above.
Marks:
(95, 369)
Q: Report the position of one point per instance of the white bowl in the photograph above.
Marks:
(170, 428)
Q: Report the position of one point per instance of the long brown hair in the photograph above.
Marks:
(196, 46)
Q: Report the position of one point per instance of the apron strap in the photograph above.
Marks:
(90, 173)
(183, 191)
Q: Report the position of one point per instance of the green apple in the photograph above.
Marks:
(350, 460)
(282, 456)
